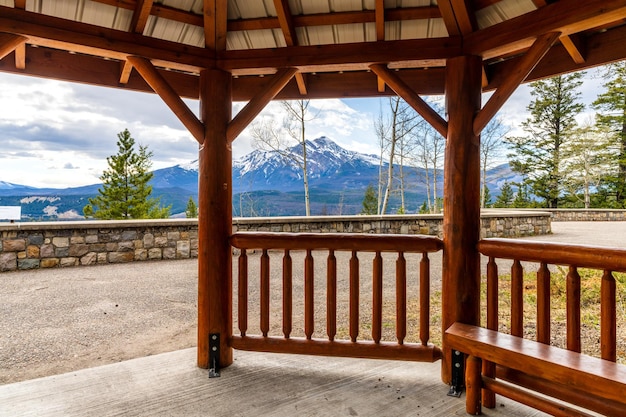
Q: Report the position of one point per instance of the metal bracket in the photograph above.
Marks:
(214, 355)
(458, 374)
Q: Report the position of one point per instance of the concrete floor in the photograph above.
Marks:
(261, 384)
(257, 384)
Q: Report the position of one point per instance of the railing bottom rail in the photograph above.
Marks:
(322, 347)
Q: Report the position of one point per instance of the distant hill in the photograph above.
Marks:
(264, 184)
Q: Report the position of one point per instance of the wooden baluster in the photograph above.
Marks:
(489, 368)
(400, 298)
(608, 318)
(309, 307)
(331, 295)
(573, 309)
(242, 296)
(265, 293)
(377, 298)
(543, 304)
(287, 294)
(354, 297)
(425, 299)
(517, 299)
(492, 294)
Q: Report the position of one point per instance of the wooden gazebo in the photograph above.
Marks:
(220, 51)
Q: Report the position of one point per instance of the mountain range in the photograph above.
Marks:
(265, 183)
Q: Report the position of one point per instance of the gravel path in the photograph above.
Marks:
(59, 320)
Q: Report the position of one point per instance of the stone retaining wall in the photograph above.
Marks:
(26, 246)
(59, 244)
(591, 215)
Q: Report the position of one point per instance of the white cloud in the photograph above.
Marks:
(57, 134)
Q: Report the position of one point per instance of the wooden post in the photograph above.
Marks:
(461, 199)
(215, 217)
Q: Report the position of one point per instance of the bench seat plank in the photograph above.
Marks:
(586, 373)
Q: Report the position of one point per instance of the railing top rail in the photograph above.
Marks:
(583, 256)
(337, 241)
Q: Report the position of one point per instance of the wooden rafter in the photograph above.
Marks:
(502, 94)
(320, 19)
(141, 15)
(380, 33)
(457, 17)
(87, 39)
(169, 96)
(20, 51)
(289, 32)
(380, 20)
(258, 103)
(565, 16)
(215, 24)
(414, 100)
(9, 42)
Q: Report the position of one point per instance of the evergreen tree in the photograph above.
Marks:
(370, 202)
(505, 199)
(191, 212)
(125, 192)
(537, 155)
(612, 115)
(486, 197)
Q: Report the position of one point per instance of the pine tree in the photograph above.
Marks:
(538, 155)
(505, 199)
(612, 115)
(191, 212)
(370, 202)
(125, 192)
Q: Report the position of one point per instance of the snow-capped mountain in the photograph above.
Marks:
(265, 183)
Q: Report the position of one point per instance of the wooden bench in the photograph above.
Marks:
(581, 380)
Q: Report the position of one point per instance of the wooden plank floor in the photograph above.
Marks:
(257, 384)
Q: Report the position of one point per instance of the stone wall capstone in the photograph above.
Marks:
(25, 246)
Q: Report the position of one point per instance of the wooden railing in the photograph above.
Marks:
(343, 283)
(542, 258)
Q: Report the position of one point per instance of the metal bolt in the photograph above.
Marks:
(214, 337)
(457, 365)
(214, 348)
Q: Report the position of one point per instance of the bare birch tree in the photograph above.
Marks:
(491, 145)
(270, 137)
(394, 133)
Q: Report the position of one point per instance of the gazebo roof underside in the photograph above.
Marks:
(331, 43)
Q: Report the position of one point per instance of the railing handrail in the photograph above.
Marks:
(337, 241)
(582, 256)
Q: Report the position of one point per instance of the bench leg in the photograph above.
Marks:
(488, 396)
(473, 385)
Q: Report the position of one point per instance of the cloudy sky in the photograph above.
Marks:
(57, 134)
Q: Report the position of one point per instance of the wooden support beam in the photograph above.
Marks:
(126, 68)
(414, 100)
(215, 218)
(169, 96)
(575, 47)
(9, 42)
(461, 199)
(141, 15)
(514, 79)
(20, 57)
(258, 103)
(301, 82)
